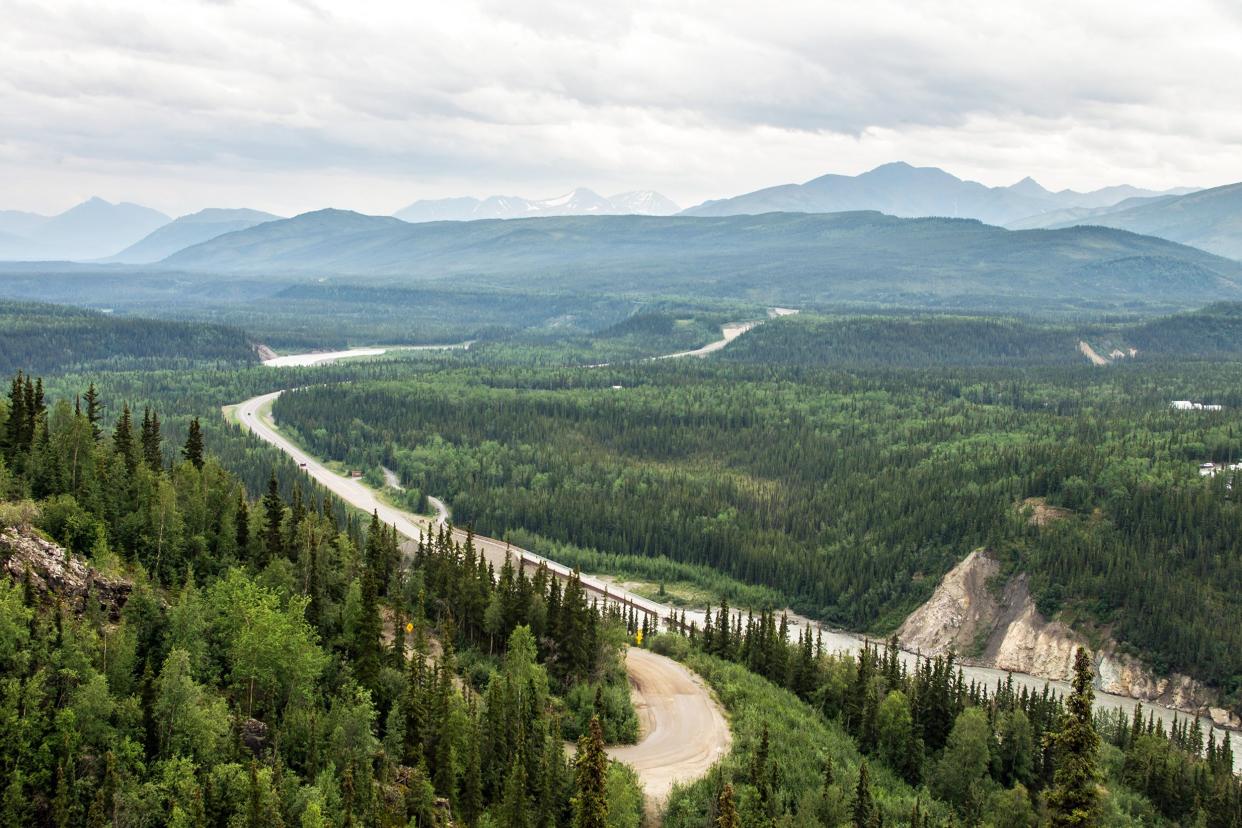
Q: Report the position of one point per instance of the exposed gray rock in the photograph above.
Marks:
(254, 735)
(53, 571)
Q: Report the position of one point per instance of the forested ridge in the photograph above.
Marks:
(43, 338)
(787, 259)
(925, 340)
(245, 662)
(850, 492)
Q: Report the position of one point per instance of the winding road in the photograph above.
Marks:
(684, 731)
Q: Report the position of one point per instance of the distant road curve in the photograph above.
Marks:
(321, 357)
(728, 332)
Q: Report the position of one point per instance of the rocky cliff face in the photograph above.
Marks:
(53, 571)
(994, 624)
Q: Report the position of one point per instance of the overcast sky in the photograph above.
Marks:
(290, 106)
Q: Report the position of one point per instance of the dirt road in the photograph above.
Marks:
(443, 515)
(1090, 353)
(684, 730)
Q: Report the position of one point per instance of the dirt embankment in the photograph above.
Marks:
(264, 353)
(1090, 353)
(993, 622)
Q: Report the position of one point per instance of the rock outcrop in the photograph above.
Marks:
(990, 621)
(53, 571)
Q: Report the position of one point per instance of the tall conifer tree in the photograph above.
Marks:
(1073, 799)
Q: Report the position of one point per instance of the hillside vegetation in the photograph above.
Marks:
(217, 660)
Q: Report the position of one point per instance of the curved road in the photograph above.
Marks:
(684, 729)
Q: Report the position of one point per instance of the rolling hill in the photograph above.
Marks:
(189, 230)
(900, 189)
(781, 258)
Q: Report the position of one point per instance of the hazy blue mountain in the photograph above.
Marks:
(580, 202)
(902, 190)
(91, 230)
(190, 230)
(1208, 219)
(19, 223)
(780, 258)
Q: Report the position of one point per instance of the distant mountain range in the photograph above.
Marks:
(91, 230)
(899, 189)
(780, 258)
(1211, 219)
(1207, 219)
(580, 202)
(187, 231)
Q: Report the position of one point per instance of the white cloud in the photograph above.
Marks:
(291, 106)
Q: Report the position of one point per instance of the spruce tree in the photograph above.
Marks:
(366, 643)
(865, 812)
(123, 439)
(15, 427)
(471, 802)
(94, 409)
(591, 783)
(513, 807)
(151, 440)
(34, 406)
(193, 450)
(1073, 799)
(241, 525)
(726, 810)
(760, 772)
(254, 809)
(274, 513)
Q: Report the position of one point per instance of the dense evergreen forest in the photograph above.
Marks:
(225, 661)
(46, 338)
(848, 492)
(293, 314)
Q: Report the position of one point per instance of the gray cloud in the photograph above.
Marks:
(292, 105)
